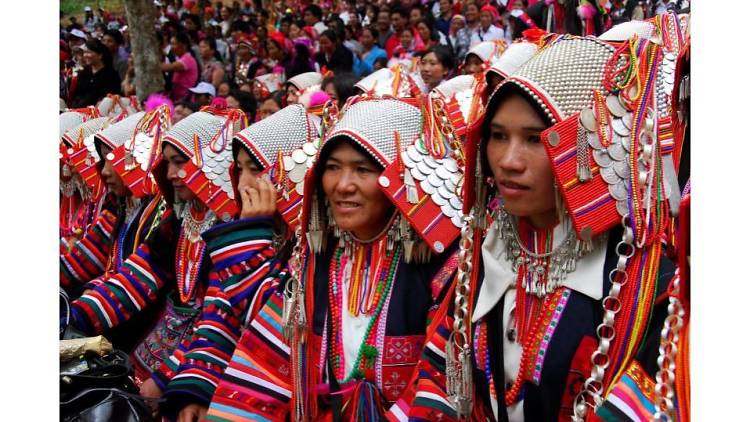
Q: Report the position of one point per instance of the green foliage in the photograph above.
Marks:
(75, 7)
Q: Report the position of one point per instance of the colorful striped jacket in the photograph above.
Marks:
(137, 284)
(242, 259)
(565, 365)
(89, 257)
(257, 383)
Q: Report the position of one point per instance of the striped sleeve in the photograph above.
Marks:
(257, 383)
(124, 294)
(243, 267)
(87, 257)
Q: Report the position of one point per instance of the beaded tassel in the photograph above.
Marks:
(583, 167)
(411, 187)
(407, 238)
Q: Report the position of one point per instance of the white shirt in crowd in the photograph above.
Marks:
(492, 33)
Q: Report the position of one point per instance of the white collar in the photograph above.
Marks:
(499, 276)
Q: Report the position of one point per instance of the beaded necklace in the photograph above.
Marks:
(116, 257)
(190, 250)
(370, 298)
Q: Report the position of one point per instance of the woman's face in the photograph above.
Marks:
(175, 161)
(294, 31)
(292, 94)
(432, 70)
(243, 52)
(274, 52)
(284, 28)
(424, 31)
(223, 89)
(91, 58)
(268, 108)
(206, 52)
(415, 16)
(330, 89)
(350, 184)
(326, 45)
(177, 48)
(232, 102)
(473, 64)
(367, 39)
(519, 164)
(472, 13)
(247, 170)
(406, 38)
(485, 19)
(224, 13)
(110, 177)
(457, 24)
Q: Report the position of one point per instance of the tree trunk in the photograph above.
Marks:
(145, 47)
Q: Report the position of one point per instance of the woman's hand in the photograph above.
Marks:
(258, 202)
(192, 412)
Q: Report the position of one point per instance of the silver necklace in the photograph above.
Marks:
(545, 271)
(193, 228)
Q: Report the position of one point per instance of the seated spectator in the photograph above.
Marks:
(333, 55)
(98, 78)
(203, 93)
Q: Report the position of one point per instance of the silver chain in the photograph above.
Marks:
(670, 337)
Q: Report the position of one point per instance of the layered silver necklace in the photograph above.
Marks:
(193, 228)
(553, 266)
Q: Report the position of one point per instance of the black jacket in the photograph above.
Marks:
(92, 87)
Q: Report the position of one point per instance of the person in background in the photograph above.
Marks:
(399, 19)
(183, 109)
(244, 101)
(436, 65)
(383, 26)
(98, 78)
(313, 16)
(487, 31)
(443, 21)
(89, 20)
(212, 71)
(459, 37)
(471, 11)
(184, 69)
(128, 84)
(271, 105)
(332, 55)
(380, 63)
(223, 89)
(113, 40)
(370, 51)
(339, 87)
(416, 14)
(203, 94)
(410, 45)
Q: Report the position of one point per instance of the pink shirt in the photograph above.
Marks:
(185, 79)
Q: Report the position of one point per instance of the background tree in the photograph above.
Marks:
(144, 47)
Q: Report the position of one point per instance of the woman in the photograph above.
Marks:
(76, 200)
(357, 307)
(189, 378)
(243, 101)
(471, 11)
(273, 103)
(277, 55)
(435, 65)
(247, 64)
(300, 84)
(339, 88)
(486, 30)
(370, 50)
(410, 44)
(98, 78)
(184, 69)
(333, 55)
(128, 219)
(175, 251)
(480, 56)
(566, 281)
(212, 70)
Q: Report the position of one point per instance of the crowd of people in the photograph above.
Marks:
(445, 210)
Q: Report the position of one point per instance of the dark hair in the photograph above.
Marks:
(373, 31)
(196, 20)
(187, 104)
(183, 38)
(382, 61)
(239, 25)
(247, 102)
(343, 83)
(97, 47)
(211, 42)
(400, 11)
(315, 10)
(116, 35)
(443, 54)
(331, 35)
(277, 97)
(336, 24)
